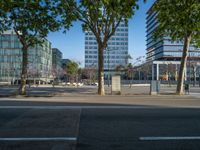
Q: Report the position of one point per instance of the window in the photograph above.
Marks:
(5, 44)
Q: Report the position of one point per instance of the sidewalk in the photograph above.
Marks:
(63, 91)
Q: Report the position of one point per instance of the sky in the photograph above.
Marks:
(71, 43)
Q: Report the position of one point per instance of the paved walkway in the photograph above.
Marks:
(49, 91)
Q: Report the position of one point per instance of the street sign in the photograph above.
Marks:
(116, 84)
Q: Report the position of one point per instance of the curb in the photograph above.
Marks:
(62, 95)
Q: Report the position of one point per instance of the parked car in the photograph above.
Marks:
(80, 84)
(68, 83)
(74, 84)
(63, 83)
(95, 83)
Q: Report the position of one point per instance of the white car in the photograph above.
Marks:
(80, 84)
(95, 83)
(63, 83)
(68, 83)
(74, 84)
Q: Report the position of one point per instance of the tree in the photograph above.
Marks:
(31, 20)
(145, 69)
(180, 20)
(56, 72)
(102, 17)
(3, 17)
(72, 69)
(32, 72)
(119, 69)
(128, 56)
(90, 73)
(129, 71)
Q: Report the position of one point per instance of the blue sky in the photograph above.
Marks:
(71, 44)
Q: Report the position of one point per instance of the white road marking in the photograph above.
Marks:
(36, 99)
(40, 139)
(77, 107)
(169, 138)
(117, 106)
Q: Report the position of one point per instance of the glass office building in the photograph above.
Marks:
(56, 58)
(116, 52)
(165, 55)
(163, 48)
(39, 59)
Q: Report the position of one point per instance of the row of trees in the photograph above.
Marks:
(167, 72)
(180, 20)
(71, 72)
(32, 20)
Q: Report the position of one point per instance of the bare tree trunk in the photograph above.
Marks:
(101, 90)
(22, 88)
(187, 40)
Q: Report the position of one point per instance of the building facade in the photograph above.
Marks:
(57, 71)
(65, 62)
(165, 54)
(115, 54)
(39, 59)
(163, 48)
(56, 58)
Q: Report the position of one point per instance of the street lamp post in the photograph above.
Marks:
(13, 73)
(139, 75)
(91, 67)
(189, 68)
(199, 76)
(108, 50)
(108, 68)
(193, 68)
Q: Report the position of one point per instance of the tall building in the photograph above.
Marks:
(163, 48)
(39, 59)
(163, 51)
(56, 58)
(115, 54)
(65, 62)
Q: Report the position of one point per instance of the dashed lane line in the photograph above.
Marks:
(78, 107)
(40, 139)
(169, 138)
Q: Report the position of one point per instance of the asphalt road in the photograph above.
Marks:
(126, 129)
(50, 126)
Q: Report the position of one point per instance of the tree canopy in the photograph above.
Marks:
(176, 18)
(180, 20)
(31, 20)
(3, 17)
(102, 17)
(72, 68)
